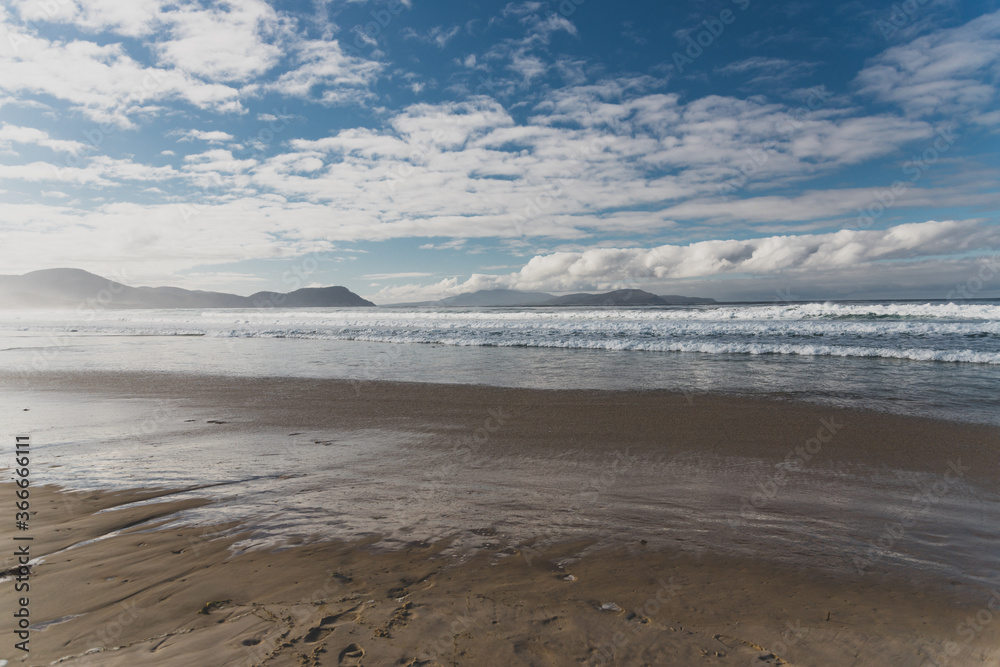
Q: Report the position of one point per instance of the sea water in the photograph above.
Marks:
(913, 357)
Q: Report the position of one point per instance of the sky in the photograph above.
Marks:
(416, 149)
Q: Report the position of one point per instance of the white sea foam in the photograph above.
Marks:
(950, 332)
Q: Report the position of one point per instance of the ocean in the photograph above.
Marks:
(933, 358)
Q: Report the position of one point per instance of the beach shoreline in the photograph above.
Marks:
(559, 520)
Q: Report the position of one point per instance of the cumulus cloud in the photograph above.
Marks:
(230, 41)
(810, 252)
(614, 268)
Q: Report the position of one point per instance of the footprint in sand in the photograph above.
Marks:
(351, 655)
(320, 632)
(328, 625)
(316, 634)
(742, 646)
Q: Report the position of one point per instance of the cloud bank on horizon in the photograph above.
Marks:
(414, 149)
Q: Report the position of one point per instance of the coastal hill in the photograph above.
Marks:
(515, 298)
(73, 288)
(626, 297)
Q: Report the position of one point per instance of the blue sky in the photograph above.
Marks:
(416, 149)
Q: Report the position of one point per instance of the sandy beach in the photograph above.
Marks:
(485, 562)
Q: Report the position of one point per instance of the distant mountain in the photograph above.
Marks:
(626, 297)
(505, 297)
(497, 297)
(484, 298)
(622, 297)
(309, 297)
(678, 300)
(72, 288)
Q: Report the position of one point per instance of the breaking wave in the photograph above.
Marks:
(932, 331)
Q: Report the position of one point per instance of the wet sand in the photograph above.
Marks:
(153, 591)
(152, 596)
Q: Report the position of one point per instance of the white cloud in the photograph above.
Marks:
(468, 169)
(218, 160)
(134, 18)
(116, 169)
(527, 65)
(44, 172)
(603, 267)
(528, 55)
(101, 81)
(389, 276)
(439, 290)
(98, 171)
(438, 35)
(754, 64)
(454, 244)
(29, 135)
(142, 240)
(949, 72)
(231, 41)
(809, 205)
(205, 54)
(603, 158)
(441, 36)
(614, 268)
(553, 23)
(212, 137)
(325, 73)
(589, 159)
(761, 71)
(451, 124)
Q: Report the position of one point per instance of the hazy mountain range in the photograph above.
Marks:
(506, 297)
(72, 288)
